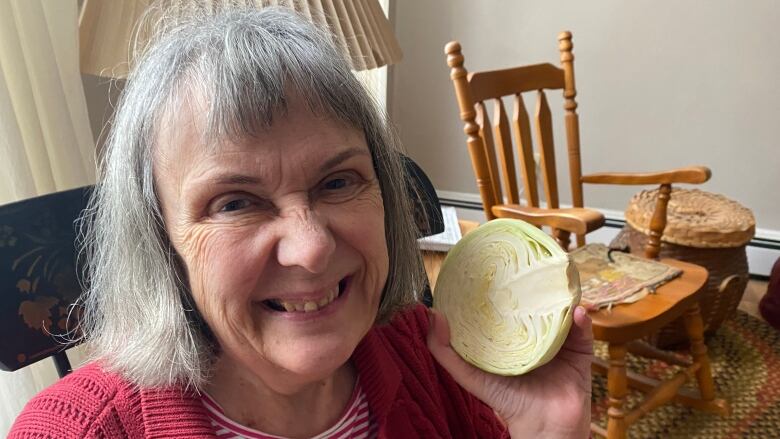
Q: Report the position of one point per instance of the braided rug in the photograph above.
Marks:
(745, 355)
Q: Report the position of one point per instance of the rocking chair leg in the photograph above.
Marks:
(617, 384)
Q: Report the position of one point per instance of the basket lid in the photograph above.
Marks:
(695, 218)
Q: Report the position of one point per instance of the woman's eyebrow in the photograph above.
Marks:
(235, 179)
(342, 156)
(231, 179)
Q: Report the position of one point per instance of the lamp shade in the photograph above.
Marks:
(109, 28)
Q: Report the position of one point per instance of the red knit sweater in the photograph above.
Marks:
(409, 395)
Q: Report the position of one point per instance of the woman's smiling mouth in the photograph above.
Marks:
(307, 305)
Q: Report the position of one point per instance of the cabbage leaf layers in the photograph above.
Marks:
(508, 291)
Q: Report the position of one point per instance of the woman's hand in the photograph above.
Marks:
(551, 401)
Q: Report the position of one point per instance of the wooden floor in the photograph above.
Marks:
(753, 294)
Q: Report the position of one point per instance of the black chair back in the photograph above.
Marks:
(38, 277)
(427, 208)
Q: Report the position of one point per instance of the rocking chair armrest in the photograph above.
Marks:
(690, 174)
(577, 220)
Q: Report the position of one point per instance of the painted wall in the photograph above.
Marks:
(660, 85)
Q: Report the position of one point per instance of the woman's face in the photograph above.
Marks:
(283, 240)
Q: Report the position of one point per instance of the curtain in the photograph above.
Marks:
(46, 144)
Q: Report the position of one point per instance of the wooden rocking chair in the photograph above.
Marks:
(624, 325)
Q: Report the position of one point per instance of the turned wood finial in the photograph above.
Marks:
(454, 56)
(468, 115)
(455, 61)
(458, 75)
(565, 46)
(564, 42)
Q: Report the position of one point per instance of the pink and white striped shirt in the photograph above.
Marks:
(355, 423)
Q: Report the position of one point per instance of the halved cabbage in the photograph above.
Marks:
(508, 291)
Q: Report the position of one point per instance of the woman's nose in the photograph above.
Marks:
(305, 241)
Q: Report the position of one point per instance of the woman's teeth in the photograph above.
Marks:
(303, 305)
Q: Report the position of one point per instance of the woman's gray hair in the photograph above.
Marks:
(139, 317)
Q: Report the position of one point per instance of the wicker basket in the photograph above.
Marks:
(705, 229)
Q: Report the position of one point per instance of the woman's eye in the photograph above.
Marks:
(235, 205)
(336, 183)
(340, 187)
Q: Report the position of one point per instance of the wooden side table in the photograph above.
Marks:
(433, 260)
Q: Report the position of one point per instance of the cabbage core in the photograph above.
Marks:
(508, 292)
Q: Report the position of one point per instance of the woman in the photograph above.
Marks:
(252, 264)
